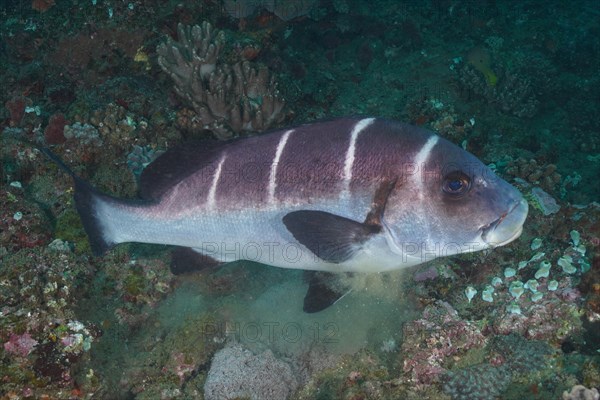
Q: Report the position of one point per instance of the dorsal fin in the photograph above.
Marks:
(176, 164)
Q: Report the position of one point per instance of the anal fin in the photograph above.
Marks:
(185, 260)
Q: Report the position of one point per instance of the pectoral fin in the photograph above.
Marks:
(333, 238)
(330, 237)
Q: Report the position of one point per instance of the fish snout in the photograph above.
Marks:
(508, 226)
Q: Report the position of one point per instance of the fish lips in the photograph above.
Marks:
(506, 228)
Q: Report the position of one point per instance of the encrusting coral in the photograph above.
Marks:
(227, 99)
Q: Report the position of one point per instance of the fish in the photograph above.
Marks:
(342, 196)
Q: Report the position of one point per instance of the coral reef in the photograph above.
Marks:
(538, 298)
(20, 344)
(96, 54)
(439, 116)
(228, 99)
(54, 132)
(23, 224)
(478, 382)
(534, 172)
(579, 392)
(42, 5)
(39, 331)
(284, 9)
(512, 94)
(433, 340)
(523, 356)
(509, 356)
(519, 322)
(85, 134)
(169, 368)
(115, 125)
(544, 202)
(522, 314)
(140, 157)
(361, 375)
(16, 108)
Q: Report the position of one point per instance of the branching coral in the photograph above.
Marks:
(228, 99)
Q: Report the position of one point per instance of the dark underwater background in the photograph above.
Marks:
(517, 83)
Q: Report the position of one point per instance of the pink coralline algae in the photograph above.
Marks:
(20, 344)
(181, 368)
(429, 341)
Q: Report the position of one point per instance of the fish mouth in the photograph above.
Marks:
(506, 228)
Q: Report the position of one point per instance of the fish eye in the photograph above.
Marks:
(456, 184)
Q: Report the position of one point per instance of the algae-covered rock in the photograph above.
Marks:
(236, 372)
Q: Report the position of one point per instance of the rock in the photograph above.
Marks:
(237, 373)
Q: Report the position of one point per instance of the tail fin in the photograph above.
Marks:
(85, 199)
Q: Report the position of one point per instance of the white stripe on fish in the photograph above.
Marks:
(210, 199)
(421, 160)
(349, 159)
(273, 173)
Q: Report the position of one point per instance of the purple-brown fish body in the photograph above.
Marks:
(365, 195)
(345, 195)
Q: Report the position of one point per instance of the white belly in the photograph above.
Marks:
(254, 235)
